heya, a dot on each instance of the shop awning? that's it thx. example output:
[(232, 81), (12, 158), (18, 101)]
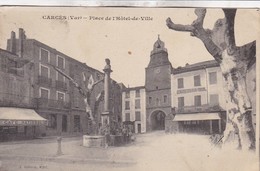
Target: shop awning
[(10, 116), (196, 117)]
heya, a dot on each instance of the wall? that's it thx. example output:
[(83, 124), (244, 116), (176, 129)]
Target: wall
[(53, 73), (217, 88), (15, 87), (158, 94), (204, 90), (73, 105), (159, 76), (188, 82), (132, 109), (16, 91), (158, 84)]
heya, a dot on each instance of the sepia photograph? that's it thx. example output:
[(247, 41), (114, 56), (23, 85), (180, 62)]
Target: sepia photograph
[(129, 89)]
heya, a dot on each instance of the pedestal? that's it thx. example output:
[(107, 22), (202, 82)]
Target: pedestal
[(105, 118), (93, 141)]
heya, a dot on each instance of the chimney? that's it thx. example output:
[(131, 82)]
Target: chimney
[(20, 42), (13, 43)]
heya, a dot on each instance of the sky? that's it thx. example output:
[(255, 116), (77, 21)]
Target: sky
[(126, 43)]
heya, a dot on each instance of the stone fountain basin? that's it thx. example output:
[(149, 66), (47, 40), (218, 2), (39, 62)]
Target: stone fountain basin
[(99, 141), (93, 141)]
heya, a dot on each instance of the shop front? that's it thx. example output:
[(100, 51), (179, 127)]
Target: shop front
[(199, 123), (19, 123)]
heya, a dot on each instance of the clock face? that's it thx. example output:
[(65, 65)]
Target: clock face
[(157, 70)]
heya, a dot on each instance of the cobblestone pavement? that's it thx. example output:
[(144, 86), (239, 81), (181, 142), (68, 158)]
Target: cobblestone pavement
[(152, 151)]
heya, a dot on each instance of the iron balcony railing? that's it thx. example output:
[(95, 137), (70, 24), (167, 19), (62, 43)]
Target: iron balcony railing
[(49, 103), (197, 109), (23, 101)]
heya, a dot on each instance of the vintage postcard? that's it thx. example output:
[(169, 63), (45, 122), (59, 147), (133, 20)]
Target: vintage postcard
[(116, 88)]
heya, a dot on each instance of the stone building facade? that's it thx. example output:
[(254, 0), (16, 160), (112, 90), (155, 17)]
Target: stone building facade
[(158, 87), (198, 98), (15, 88), (16, 103), (53, 96), (133, 108), (185, 99)]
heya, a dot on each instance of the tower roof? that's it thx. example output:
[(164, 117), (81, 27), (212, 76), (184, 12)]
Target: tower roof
[(158, 46)]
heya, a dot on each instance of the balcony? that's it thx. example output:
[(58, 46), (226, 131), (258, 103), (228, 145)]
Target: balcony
[(60, 85), (44, 81), (197, 109), (51, 104)]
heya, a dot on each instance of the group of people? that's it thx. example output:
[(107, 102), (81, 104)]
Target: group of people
[(170, 130), (127, 134), (120, 130)]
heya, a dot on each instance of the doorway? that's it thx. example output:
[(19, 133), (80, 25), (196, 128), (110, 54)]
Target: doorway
[(139, 128), (64, 123), (158, 120)]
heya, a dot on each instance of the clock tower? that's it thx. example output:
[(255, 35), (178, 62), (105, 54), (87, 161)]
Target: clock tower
[(158, 87)]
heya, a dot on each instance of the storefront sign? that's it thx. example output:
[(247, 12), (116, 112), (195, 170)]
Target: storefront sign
[(191, 90), (21, 123)]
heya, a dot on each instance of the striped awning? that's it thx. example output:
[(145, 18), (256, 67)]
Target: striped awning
[(196, 117), (10, 116)]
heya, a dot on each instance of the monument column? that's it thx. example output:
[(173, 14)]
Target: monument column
[(105, 115)]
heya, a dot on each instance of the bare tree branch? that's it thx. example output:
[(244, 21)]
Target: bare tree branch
[(211, 47), (95, 83), (197, 30), (201, 13), (229, 33), (178, 27)]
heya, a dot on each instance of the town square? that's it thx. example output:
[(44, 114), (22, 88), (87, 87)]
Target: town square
[(133, 89)]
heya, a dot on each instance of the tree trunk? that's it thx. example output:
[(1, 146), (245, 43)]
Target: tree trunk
[(239, 117), (233, 61)]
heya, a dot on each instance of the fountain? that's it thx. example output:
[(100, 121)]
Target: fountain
[(109, 133), (102, 139)]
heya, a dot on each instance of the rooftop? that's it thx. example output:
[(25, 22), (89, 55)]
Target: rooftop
[(158, 46), (10, 54), (196, 66), (134, 88)]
